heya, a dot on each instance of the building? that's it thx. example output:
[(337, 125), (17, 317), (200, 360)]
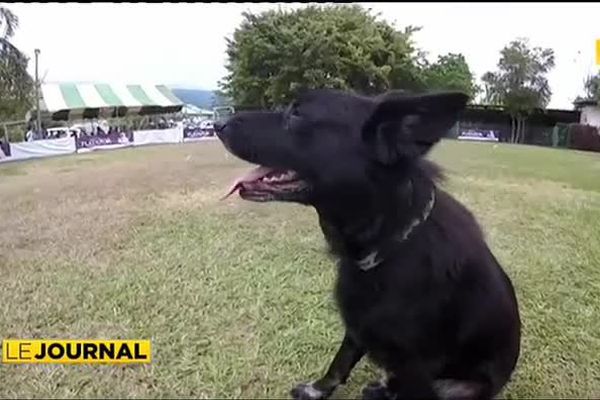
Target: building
[(538, 128), (590, 112)]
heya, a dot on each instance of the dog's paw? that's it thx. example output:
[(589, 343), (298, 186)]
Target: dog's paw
[(306, 391), (376, 391)]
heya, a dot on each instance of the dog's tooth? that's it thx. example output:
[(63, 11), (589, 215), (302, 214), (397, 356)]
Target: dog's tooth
[(281, 177)]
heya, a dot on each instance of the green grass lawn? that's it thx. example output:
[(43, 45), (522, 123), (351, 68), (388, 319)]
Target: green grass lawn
[(236, 296)]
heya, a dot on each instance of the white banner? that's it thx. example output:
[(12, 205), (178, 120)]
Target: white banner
[(199, 139), (105, 147), (173, 135), (42, 148)]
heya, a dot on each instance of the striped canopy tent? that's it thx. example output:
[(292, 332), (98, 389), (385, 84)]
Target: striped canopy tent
[(80, 101)]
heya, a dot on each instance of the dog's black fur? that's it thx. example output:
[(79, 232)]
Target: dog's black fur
[(435, 310)]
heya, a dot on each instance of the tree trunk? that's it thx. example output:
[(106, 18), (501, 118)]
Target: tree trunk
[(521, 133), (512, 129)]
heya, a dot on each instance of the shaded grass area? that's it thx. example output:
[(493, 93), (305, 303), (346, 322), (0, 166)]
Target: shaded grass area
[(236, 296)]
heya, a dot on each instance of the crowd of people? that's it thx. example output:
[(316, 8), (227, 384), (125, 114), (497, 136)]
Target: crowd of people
[(73, 131), (196, 127)]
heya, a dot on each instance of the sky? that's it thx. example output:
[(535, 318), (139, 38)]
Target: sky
[(184, 44)]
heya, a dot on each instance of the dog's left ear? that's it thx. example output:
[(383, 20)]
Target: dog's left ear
[(404, 126)]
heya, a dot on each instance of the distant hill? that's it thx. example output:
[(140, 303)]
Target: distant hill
[(206, 99)]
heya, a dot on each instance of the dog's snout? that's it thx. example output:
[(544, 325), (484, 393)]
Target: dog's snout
[(220, 126)]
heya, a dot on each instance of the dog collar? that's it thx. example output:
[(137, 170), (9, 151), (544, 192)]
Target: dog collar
[(373, 259), (370, 261)]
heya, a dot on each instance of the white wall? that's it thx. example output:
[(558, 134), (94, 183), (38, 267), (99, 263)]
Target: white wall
[(590, 115)]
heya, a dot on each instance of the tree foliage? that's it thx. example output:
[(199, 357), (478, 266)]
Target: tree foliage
[(591, 87), (15, 83), (274, 53), (520, 83), (450, 72)]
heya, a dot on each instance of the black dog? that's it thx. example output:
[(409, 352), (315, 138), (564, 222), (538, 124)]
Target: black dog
[(419, 291)]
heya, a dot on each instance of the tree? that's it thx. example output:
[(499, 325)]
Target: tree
[(274, 53), (520, 83), (8, 23), (451, 72), (15, 83), (591, 86)]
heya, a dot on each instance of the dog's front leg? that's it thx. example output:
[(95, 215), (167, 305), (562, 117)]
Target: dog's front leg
[(346, 358)]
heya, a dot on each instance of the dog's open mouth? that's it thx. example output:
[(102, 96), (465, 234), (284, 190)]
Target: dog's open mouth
[(267, 184)]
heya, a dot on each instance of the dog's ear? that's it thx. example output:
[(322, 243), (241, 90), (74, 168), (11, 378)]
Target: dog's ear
[(404, 126)]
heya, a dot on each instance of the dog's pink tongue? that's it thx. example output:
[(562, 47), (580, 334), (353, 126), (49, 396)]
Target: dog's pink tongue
[(251, 176)]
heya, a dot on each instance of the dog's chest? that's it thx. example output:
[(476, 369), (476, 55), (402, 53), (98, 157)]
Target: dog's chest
[(387, 300), (364, 296)]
